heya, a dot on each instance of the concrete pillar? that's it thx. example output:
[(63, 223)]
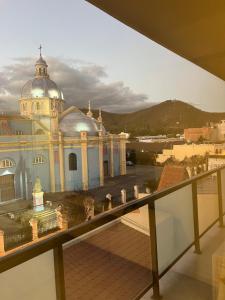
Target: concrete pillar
[(34, 225), (136, 191), (89, 205), (61, 222), (195, 171), (61, 162), (123, 196), (111, 146), (109, 198), (148, 190), (59, 219), (204, 167), (2, 243), (123, 167), (84, 158), (26, 185), (21, 185), (189, 171), (51, 164), (110, 205), (101, 159)]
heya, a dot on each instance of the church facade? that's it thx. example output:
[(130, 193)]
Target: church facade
[(67, 149)]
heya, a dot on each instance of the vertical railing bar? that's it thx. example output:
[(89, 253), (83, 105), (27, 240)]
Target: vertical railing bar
[(153, 247), (195, 217), (59, 273), (220, 199)]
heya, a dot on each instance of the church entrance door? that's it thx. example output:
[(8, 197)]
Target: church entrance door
[(7, 188)]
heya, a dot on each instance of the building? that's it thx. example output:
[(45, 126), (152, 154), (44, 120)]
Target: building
[(221, 130), (198, 134), (65, 148), (180, 152), (216, 161), (172, 175), (214, 133)]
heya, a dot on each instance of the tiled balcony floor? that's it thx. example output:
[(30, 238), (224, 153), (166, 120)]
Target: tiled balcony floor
[(113, 264)]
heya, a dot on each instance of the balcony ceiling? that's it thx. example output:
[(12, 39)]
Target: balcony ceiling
[(193, 29)]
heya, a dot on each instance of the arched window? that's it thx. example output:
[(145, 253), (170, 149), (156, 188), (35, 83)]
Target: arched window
[(38, 105), (72, 162), (39, 159), (6, 163)]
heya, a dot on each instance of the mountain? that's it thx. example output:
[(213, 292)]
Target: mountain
[(170, 116)]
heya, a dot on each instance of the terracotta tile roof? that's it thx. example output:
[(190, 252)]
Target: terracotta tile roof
[(172, 175)]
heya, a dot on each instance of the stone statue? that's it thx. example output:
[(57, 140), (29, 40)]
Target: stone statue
[(37, 186)]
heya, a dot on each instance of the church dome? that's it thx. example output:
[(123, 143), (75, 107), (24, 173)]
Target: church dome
[(76, 121), (40, 87)]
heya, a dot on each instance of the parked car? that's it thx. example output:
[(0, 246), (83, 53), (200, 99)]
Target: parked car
[(130, 163)]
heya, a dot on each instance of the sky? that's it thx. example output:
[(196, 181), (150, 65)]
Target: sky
[(94, 57)]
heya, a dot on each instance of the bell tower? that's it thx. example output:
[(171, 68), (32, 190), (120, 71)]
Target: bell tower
[(41, 66), (41, 98)]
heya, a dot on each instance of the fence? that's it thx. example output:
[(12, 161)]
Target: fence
[(176, 214)]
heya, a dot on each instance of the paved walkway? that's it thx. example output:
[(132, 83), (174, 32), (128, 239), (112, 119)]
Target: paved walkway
[(139, 174), (113, 264)]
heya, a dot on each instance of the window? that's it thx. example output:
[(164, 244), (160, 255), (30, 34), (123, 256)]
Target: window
[(72, 162), (6, 163), (39, 159), (38, 105)]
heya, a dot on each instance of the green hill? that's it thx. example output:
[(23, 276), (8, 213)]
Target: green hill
[(170, 116)]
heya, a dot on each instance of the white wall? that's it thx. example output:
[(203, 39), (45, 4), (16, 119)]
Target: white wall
[(32, 280)]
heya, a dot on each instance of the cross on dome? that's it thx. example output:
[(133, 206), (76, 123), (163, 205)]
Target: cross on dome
[(40, 48)]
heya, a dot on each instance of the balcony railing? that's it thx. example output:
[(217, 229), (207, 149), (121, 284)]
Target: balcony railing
[(176, 220)]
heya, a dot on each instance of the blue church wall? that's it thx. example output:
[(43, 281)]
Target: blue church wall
[(25, 171), (116, 154), (32, 171), (93, 167), (73, 179)]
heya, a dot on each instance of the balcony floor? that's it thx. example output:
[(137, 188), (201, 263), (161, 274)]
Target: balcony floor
[(192, 276), (112, 264), (176, 286), (115, 264)]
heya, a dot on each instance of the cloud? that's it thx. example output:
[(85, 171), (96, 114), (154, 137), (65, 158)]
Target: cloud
[(80, 82)]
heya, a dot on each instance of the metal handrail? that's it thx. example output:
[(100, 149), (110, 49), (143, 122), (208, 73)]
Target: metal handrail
[(55, 241)]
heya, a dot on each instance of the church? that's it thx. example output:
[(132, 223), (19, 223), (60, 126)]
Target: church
[(67, 149)]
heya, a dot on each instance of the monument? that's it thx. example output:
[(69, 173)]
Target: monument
[(38, 201)]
